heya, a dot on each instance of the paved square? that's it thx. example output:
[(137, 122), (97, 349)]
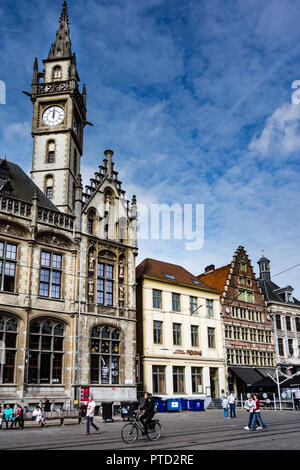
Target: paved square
[(206, 430)]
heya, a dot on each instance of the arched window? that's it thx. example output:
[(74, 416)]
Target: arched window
[(105, 355), (49, 186), (91, 222), (50, 157), (46, 341), (57, 72), (8, 348)]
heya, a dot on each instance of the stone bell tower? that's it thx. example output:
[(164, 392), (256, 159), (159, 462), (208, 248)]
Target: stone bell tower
[(59, 117)]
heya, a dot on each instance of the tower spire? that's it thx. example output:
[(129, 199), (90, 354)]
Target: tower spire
[(62, 45)]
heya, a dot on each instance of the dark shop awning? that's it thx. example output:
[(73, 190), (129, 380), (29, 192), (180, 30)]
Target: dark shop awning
[(247, 374), (266, 370)]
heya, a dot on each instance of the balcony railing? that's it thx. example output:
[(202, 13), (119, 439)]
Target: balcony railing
[(51, 217), (14, 206)]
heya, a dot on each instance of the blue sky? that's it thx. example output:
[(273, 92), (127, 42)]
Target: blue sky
[(194, 97)]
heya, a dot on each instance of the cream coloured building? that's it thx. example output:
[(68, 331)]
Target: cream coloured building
[(180, 334)]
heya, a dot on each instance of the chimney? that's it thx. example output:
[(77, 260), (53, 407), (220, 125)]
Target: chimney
[(209, 268)]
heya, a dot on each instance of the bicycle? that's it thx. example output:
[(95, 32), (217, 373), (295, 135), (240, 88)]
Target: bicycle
[(130, 431)]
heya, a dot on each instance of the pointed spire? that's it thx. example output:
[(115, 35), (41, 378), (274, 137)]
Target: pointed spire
[(62, 45)]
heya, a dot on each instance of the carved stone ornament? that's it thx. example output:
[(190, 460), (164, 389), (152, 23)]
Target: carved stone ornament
[(91, 262), (12, 229), (121, 269), (91, 288), (56, 240)]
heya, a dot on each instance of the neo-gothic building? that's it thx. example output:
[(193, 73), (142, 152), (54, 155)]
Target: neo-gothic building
[(67, 255)]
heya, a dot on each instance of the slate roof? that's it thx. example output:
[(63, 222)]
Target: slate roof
[(216, 278), (22, 186), (158, 269), (267, 286)]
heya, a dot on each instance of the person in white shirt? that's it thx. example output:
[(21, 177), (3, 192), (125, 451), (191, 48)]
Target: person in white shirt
[(37, 413), (225, 406), (231, 402), (90, 413)]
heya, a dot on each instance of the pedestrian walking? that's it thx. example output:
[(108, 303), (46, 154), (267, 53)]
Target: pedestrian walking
[(8, 416), (225, 406), (257, 416), (250, 406), (90, 413), (231, 402)]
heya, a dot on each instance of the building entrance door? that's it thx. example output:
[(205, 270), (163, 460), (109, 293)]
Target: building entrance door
[(214, 382)]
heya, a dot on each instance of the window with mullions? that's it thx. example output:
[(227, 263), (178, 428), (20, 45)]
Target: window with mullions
[(210, 307), (159, 379), (175, 302), (8, 348), (8, 255), (50, 275), (280, 347), (278, 322), (156, 294), (178, 379), (46, 341), (211, 337), (193, 305), (196, 379), (194, 336), (105, 284), (105, 355), (157, 332), (176, 334)]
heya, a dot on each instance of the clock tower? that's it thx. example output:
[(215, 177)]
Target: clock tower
[(59, 117)]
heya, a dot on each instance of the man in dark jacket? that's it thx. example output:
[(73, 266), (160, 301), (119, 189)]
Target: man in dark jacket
[(147, 409)]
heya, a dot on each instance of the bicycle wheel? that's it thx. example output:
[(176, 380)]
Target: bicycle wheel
[(155, 433), (129, 433)]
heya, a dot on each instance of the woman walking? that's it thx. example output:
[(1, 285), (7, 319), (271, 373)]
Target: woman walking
[(225, 406)]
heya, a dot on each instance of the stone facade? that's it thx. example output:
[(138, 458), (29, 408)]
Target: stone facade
[(67, 311)]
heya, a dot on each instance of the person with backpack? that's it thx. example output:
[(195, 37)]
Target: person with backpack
[(148, 410), (225, 406)]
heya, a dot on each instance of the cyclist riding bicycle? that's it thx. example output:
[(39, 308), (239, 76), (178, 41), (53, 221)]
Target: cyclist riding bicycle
[(147, 409)]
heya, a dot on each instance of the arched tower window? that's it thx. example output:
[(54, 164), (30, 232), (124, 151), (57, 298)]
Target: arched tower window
[(46, 347), (8, 348), (91, 222), (49, 186), (50, 156), (105, 355), (57, 72)]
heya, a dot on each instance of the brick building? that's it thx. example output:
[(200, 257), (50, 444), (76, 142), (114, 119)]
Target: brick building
[(247, 324)]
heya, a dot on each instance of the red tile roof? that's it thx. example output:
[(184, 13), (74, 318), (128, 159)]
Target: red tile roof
[(158, 269), (217, 278)]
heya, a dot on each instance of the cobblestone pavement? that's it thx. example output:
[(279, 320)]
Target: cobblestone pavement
[(206, 430)]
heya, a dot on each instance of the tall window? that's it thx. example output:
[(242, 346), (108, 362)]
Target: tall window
[(105, 284), (176, 334), (105, 355), (280, 347), (8, 340), (196, 379), (291, 347), (157, 332), (50, 275), (243, 267), (156, 295), (8, 255), (297, 323), (194, 336), (49, 187), (211, 337), (178, 379), (159, 379), (51, 151), (90, 225), (278, 322), (46, 341), (193, 305), (57, 72), (288, 323), (209, 307), (175, 302)]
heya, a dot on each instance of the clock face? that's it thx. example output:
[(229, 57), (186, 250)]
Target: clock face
[(53, 115)]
